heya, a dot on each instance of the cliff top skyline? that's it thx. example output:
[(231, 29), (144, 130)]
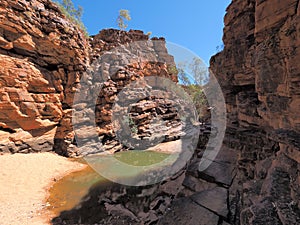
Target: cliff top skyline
[(196, 25)]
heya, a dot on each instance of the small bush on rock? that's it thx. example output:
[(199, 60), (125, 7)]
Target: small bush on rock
[(74, 15)]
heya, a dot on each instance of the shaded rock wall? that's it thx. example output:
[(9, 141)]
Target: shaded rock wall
[(259, 74), (115, 63)]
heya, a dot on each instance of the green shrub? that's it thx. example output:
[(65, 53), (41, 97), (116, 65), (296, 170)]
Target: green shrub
[(193, 83), (74, 15), (123, 15)]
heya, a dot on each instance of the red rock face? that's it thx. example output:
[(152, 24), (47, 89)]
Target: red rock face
[(117, 59), (255, 177), (42, 56), (259, 74)]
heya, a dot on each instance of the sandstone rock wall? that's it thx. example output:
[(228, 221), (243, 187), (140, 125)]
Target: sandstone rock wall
[(42, 56), (117, 59), (259, 74), (255, 177)]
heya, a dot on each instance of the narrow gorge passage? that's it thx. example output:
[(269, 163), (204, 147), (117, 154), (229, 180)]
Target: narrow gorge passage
[(94, 98)]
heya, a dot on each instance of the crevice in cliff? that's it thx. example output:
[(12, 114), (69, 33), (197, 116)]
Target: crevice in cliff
[(221, 218), (297, 6), (12, 52), (7, 129), (51, 67), (244, 88)]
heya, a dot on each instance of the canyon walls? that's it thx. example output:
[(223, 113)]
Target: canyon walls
[(254, 179), (260, 76), (116, 81)]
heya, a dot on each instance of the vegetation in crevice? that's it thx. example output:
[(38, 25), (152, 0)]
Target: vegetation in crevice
[(193, 76), (72, 13)]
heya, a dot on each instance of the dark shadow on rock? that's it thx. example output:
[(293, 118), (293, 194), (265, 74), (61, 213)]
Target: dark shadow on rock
[(111, 204)]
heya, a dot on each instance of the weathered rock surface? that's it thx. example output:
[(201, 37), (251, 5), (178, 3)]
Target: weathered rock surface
[(116, 86), (255, 177), (185, 211), (42, 56), (259, 74), (214, 199)]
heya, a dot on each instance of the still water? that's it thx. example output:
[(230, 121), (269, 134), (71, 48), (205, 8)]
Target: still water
[(67, 192)]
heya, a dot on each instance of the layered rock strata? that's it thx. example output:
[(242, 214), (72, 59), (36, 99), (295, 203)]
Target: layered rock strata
[(259, 74), (121, 64), (42, 57), (255, 177)]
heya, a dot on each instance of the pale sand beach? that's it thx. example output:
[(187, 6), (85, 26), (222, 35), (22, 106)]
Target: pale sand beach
[(24, 183)]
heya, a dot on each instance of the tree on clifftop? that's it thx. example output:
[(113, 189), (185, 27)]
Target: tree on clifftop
[(123, 15), (74, 15), (70, 8)]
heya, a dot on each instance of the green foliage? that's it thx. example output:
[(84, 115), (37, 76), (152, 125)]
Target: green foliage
[(131, 124), (182, 76), (123, 15), (172, 69), (198, 97), (196, 69), (193, 83), (74, 15)]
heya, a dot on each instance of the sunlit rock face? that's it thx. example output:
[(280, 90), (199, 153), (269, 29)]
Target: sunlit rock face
[(42, 56), (120, 65), (124, 72), (259, 74)]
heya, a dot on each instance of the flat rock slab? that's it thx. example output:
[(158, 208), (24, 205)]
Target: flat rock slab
[(225, 155), (196, 184), (222, 173), (186, 212), (214, 199)]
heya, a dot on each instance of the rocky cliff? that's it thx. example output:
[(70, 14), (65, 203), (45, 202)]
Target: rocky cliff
[(255, 177), (115, 90), (43, 57), (259, 74)]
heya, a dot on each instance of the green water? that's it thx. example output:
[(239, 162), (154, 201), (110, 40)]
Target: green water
[(140, 158), (66, 193)]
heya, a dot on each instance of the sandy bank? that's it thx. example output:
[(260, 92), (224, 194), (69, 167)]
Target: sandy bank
[(24, 180)]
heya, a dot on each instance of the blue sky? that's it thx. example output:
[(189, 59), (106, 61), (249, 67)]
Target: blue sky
[(194, 24)]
